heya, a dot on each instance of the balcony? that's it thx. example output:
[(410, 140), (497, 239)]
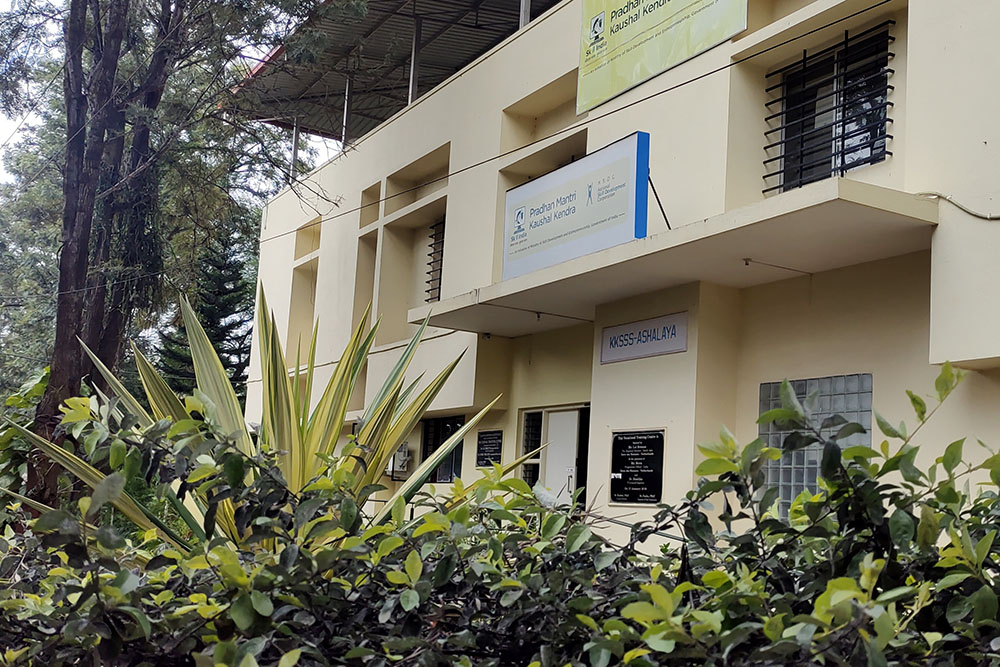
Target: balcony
[(823, 226)]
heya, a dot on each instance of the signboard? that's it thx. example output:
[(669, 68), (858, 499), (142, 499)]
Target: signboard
[(626, 42), (489, 448), (637, 467), (648, 338), (594, 203)]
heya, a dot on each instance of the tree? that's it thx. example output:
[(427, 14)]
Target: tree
[(147, 104), (223, 302)]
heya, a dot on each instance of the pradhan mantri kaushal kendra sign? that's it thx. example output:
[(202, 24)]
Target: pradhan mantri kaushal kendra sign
[(626, 42), (591, 204)]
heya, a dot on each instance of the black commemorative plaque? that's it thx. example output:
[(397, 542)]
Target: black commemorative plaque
[(637, 467), (489, 448)]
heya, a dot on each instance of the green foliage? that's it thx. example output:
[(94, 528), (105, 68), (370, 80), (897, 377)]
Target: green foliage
[(14, 450), (888, 563), (223, 302)]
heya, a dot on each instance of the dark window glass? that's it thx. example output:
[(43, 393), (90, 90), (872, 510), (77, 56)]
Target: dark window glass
[(833, 111), (436, 432), (531, 440)]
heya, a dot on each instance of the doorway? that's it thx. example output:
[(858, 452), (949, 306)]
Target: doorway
[(562, 467)]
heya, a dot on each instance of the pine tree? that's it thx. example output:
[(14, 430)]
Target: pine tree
[(224, 305)]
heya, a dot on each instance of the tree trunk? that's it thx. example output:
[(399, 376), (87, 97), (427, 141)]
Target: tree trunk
[(84, 149)]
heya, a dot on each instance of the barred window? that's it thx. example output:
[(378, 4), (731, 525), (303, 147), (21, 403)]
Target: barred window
[(436, 433), (847, 395), (833, 112)]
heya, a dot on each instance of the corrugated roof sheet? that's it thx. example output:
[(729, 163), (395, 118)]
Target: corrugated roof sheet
[(372, 50)]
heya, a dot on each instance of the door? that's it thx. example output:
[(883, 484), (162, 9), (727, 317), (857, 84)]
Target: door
[(560, 465)]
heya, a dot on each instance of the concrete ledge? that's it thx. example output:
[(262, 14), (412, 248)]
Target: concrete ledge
[(835, 223)]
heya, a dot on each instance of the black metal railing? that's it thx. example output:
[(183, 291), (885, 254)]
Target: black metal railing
[(833, 111), (435, 257)]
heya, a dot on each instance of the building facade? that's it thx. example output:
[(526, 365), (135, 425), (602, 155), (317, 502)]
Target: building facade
[(789, 233)]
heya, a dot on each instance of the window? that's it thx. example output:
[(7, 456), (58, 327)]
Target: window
[(531, 440), (833, 111), (435, 257), (436, 432), (847, 395)]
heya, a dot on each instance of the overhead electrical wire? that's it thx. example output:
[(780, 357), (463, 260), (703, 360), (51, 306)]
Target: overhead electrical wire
[(577, 126)]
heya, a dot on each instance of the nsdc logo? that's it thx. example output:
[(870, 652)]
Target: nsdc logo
[(597, 28), (519, 220)]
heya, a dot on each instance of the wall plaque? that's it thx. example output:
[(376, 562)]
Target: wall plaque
[(637, 467), (489, 448)]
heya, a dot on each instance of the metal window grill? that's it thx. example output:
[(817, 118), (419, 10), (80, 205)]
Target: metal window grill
[(847, 395), (436, 433), (435, 257), (833, 111), (532, 440)]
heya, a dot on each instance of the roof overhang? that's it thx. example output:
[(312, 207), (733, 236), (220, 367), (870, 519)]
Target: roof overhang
[(836, 223), (366, 57)]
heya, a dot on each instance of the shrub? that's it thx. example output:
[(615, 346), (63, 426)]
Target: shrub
[(885, 564)]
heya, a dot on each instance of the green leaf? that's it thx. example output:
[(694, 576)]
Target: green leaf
[(715, 467), (830, 463), (660, 644), (927, 527), (109, 538), (888, 429), (605, 559), (875, 656), (348, 514), (643, 612), (781, 416), (901, 527), (984, 605), (409, 599), (116, 456), (945, 382), (261, 603), (789, 400), (388, 545), (242, 613), (398, 578), (55, 520), (897, 593), (553, 524), (413, 565), (291, 658), (576, 537), (133, 463), (510, 597), (107, 491), (919, 406), (952, 579), (952, 455), (983, 547)]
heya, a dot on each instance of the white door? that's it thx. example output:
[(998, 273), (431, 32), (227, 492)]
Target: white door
[(559, 468)]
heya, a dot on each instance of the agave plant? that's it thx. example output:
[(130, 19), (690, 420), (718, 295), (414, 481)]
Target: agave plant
[(303, 436)]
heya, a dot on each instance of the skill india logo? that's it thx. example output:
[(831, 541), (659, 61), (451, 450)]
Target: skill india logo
[(519, 220), (597, 28)]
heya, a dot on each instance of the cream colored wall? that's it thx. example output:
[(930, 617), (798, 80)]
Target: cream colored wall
[(545, 370), (652, 393), (871, 318), (954, 148)]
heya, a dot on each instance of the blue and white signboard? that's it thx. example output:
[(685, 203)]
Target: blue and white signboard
[(648, 338), (597, 202)]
